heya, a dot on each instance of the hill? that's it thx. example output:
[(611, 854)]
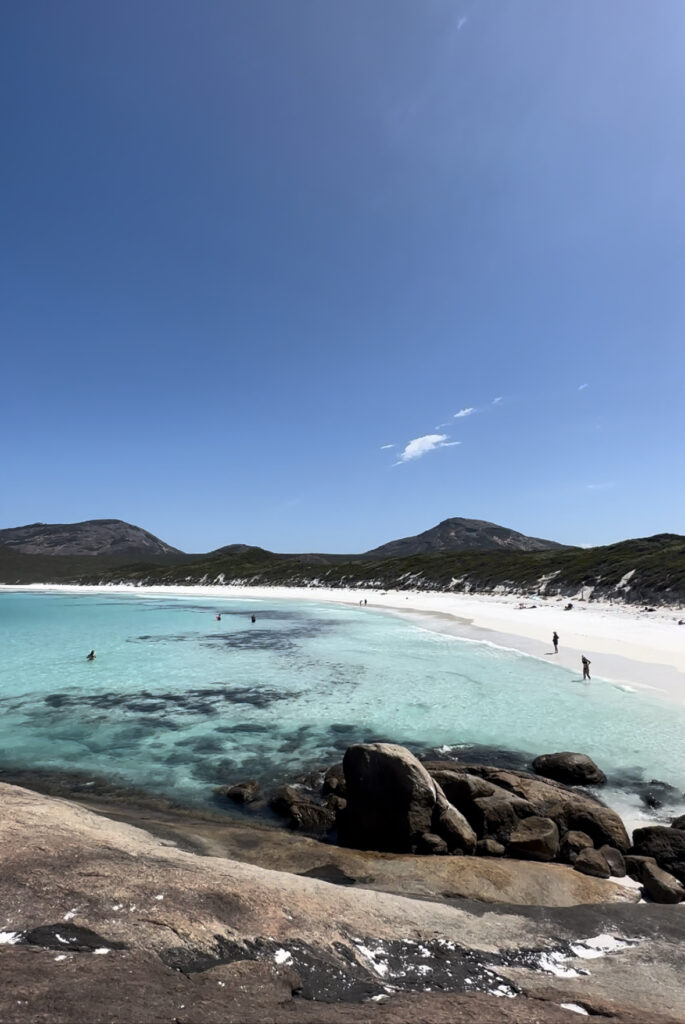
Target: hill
[(462, 535), (92, 537), (645, 571)]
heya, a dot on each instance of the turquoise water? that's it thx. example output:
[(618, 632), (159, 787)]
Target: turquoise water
[(178, 702)]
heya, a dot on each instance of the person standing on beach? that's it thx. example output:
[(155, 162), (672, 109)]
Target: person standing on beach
[(586, 667), (555, 641)]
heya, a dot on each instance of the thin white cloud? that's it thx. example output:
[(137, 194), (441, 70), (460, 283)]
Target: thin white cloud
[(464, 412), (496, 401), (421, 445), (384, 446), (461, 23), (599, 487), (583, 386)]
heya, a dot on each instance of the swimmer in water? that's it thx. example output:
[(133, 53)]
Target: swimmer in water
[(91, 656)]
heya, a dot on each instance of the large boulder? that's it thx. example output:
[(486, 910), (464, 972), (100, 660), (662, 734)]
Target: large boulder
[(635, 865), (498, 816), (572, 843), (534, 839), (661, 886), (615, 860), (569, 768), (592, 862), (390, 798), (666, 845)]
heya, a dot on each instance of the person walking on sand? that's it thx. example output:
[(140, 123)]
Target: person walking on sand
[(586, 667), (555, 641)]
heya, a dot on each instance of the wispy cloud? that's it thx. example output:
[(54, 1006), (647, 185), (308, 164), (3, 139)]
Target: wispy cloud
[(421, 445), (464, 412), (461, 23), (384, 446), (600, 487), (583, 386), (496, 401)]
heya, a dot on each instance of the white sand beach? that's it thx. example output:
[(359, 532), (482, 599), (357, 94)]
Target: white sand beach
[(625, 644)]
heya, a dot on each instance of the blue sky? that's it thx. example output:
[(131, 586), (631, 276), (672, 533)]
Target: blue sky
[(247, 246)]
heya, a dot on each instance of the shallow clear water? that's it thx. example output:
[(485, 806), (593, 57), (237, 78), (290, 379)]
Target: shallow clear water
[(178, 702)]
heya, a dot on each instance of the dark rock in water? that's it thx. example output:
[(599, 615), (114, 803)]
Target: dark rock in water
[(452, 826), (283, 799), (302, 811), (242, 792), (572, 843), (592, 862), (430, 843), (655, 794), (635, 865), (489, 848), (534, 839), (615, 860), (336, 803), (666, 845), (679, 822), (661, 886), (312, 818), (334, 781), (390, 798), (569, 768)]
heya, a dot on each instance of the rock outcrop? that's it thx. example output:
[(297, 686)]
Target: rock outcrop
[(103, 921), (666, 845), (569, 768)]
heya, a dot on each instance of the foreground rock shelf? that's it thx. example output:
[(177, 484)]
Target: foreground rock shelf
[(105, 922), (382, 798)]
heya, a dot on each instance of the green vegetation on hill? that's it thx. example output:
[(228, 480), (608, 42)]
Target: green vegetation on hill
[(656, 565)]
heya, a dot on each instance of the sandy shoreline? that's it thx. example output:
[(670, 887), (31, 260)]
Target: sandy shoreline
[(626, 645)]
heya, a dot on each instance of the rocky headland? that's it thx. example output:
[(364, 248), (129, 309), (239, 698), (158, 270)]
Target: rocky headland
[(202, 921)]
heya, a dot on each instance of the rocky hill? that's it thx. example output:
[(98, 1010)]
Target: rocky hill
[(462, 535), (93, 537)]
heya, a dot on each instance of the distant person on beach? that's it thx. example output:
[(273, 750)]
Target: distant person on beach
[(555, 641), (586, 667), (91, 656)]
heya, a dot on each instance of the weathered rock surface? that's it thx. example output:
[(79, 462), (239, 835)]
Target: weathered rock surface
[(661, 886), (534, 839), (615, 860), (569, 768), (592, 862), (571, 845), (570, 810), (203, 940), (451, 824), (666, 845), (242, 792), (635, 865)]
